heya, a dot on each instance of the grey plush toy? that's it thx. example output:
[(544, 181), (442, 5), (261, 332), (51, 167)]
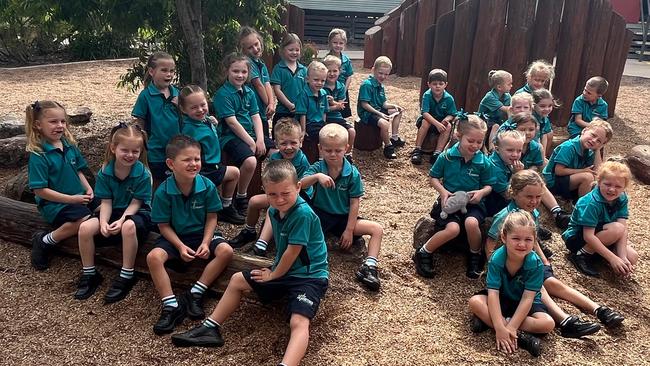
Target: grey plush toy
[(456, 202)]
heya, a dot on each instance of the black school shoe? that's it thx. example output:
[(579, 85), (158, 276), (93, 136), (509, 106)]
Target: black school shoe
[(244, 237), (40, 254), (530, 343), (562, 219), (389, 152), (545, 249), (609, 317), (434, 157), (194, 305), (398, 142), (474, 265), (576, 328), (585, 264), (476, 325), (423, 264), (119, 289), (241, 205), (169, 318), (87, 286), (259, 252), (544, 233), (368, 277), (199, 336), (416, 156), (231, 215)]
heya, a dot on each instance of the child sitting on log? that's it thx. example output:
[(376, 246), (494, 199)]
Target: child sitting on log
[(337, 97), (588, 106)]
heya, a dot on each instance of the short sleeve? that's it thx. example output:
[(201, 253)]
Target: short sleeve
[(254, 108), (313, 169), (301, 104), (535, 279), (438, 168), (224, 106), (501, 182), (426, 102), (490, 103), (143, 188), (563, 155), (495, 228), (493, 279), (161, 212), (141, 107), (299, 231), (356, 186), (37, 171), (451, 106), (536, 157), (213, 202), (255, 71), (576, 108), (365, 92), (81, 162), (589, 213), (506, 99), (340, 95), (602, 111), (276, 76), (487, 176), (102, 189), (623, 212)]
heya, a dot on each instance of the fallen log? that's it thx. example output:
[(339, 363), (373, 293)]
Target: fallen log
[(19, 220)]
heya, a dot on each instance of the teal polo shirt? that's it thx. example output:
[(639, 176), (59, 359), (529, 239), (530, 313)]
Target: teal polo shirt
[(346, 67), (206, 134), (161, 119), (525, 89), (570, 154), (438, 109), (491, 103), (290, 82), (458, 175), (58, 170), (242, 104), (137, 185), (338, 93), (299, 162), (497, 220), (336, 200), (300, 226), (588, 112), (371, 91), (186, 215), (259, 71), (544, 124), (533, 155), (593, 210), (312, 106), (501, 173), (529, 277)]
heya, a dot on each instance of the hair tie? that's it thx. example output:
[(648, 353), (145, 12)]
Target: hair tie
[(36, 105), (461, 114), (119, 126)]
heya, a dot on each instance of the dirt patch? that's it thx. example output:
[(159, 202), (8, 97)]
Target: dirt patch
[(412, 321)]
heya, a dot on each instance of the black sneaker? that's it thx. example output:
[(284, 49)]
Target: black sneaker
[(544, 233), (423, 264), (231, 215), (416, 156), (169, 318), (87, 286), (474, 267), (367, 275), (584, 263), (576, 328), (545, 249), (609, 317), (119, 289), (530, 343), (389, 152), (562, 219), (199, 336), (434, 157), (244, 237), (40, 255), (241, 205), (259, 252), (398, 142), (194, 305), (476, 325)]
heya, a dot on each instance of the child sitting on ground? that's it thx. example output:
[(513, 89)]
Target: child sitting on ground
[(299, 272), (337, 194), (438, 111), (506, 160), (336, 96), (544, 104), (311, 102), (538, 76), (512, 304), (589, 105), (185, 208), (599, 223), (496, 103), (374, 110)]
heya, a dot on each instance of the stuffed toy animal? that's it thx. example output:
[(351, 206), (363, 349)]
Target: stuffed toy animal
[(456, 202)]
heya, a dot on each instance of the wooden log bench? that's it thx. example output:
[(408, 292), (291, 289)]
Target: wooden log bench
[(255, 186), (310, 149), (368, 137)]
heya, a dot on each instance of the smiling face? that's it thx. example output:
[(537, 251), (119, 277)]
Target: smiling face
[(537, 80), (529, 129), (291, 52), (519, 241), (289, 144), (163, 74), (127, 151), (471, 142), (510, 149), (238, 73), (529, 198), (282, 195), (593, 138), (544, 107), (611, 187), (51, 124), (316, 80), (333, 72), (195, 106), (187, 163), (337, 44), (252, 46)]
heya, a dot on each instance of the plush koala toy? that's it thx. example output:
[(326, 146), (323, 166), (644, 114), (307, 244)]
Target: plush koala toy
[(456, 202)]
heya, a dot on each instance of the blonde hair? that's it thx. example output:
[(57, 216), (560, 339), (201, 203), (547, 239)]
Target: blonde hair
[(599, 122), (123, 132), (540, 67), (498, 77), (290, 38), (246, 31), (522, 97), (615, 169), (599, 83), (332, 60), (152, 63), (472, 122), (316, 66), (523, 178), (518, 136), (382, 61), (337, 32), (517, 219), (277, 171), (334, 132), (33, 113), (287, 126)]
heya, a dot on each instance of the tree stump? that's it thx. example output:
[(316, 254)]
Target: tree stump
[(638, 159), (424, 229), (81, 116), (12, 152), (11, 126), (310, 148), (17, 188), (368, 137)]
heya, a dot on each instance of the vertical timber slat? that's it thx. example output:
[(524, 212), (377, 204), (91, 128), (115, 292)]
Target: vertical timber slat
[(406, 44), (372, 48), (519, 31), (546, 31), (425, 18), (461, 52), (593, 55)]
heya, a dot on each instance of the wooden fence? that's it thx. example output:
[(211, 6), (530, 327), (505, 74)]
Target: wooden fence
[(469, 38)]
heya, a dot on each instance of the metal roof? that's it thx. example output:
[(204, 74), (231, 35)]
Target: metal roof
[(351, 6)]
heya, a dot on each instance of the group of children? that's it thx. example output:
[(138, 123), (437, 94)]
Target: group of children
[(179, 170)]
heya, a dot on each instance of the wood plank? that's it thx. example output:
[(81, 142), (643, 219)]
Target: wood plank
[(616, 50), (461, 52), (572, 35), (442, 46), (593, 57), (518, 37), (389, 39), (406, 43), (296, 21), (382, 20), (425, 18), (372, 46), (487, 49), (429, 39), (546, 31), (443, 7)]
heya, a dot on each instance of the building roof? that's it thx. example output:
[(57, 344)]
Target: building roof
[(350, 6)]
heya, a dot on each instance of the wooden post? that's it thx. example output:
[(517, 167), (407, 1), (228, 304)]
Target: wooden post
[(442, 47), (429, 38), (593, 53), (406, 44), (296, 21), (546, 30), (617, 47), (572, 36), (518, 36), (461, 53), (443, 7), (487, 49), (389, 39), (372, 47), (425, 18)]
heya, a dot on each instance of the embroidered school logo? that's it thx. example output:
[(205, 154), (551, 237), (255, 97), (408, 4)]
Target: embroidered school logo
[(130, 190), (471, 173), (196, 205), (282, 233), (303, 298)]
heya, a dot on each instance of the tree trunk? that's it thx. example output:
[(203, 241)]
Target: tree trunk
[(189, 15)]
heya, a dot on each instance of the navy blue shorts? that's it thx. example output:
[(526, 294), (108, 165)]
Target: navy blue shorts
[(494, 202), (75, 212), (303, 295), (509, 306), (562, 188), (432, 129), (215, 173), (548, 272), (159, 171), (339, 121), (577, 241), (347, 112), (141, 219), (472, 211), (373, 119), (191, 240), (333, 224), (313, 129), (237, 151)]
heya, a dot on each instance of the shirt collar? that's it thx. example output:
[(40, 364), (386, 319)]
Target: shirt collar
[(47, 147), (299, 201), (233, 90), (136, 170), (345, 170), (500, 260), (173, 92), (199, 185), (575, 142), (374, 82), (512, 206), (455, 153)]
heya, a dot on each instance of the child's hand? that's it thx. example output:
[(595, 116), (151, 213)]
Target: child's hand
[(80, 199), (187, 254), (203, 251), (90, 193), (506, 339), (383, 116), (261, 275), (260, 148), (326, 181), (103, 229), (292, 107), (213, 120), (517, 166), (115, 227), (270, 111), (620, 266), (175, 101), (330, 99), (475, 197), (346, 239), (440, 127), (444, 196), (252, 145), (590, 169)]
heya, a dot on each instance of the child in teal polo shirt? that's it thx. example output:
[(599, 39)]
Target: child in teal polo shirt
[(155, 111), (438, 111), (544, 104), (337, 192), (336, 96), (185, 208), (512, 304), (506, 160), (193, 102), (589, 105), (336, 40), (64, 197), (311, 103), (599, 224), (299, 272), (288, 77), (124, 186), (571, 170), (373, 109), (538, 76), (496, 103)]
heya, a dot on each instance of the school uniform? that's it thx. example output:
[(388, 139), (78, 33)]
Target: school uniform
[(438, 109), (588, 111), (206, 134), (301, 164), (313, 107), (490, 106), (258, 70), (525, 89), (346, 72), (291, 84), (371, 91), (160, 117), (338, 93), (186, 214), (495, 229), (306, 281), (593, 210), (544, 124), (495, 201), (572, 155), (533, 155), (58, 169)]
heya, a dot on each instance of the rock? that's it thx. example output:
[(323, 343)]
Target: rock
[(424, 229), (11, 126), (80, 116), (12, 152), (638, 159), (17, 188)]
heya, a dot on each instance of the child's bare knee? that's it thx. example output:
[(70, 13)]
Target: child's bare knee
[(298, 321), (453, 228), (471, 223), (476, 302), (156, 258), (249, 164), (128, 228), (86, 229), (223, 251)]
